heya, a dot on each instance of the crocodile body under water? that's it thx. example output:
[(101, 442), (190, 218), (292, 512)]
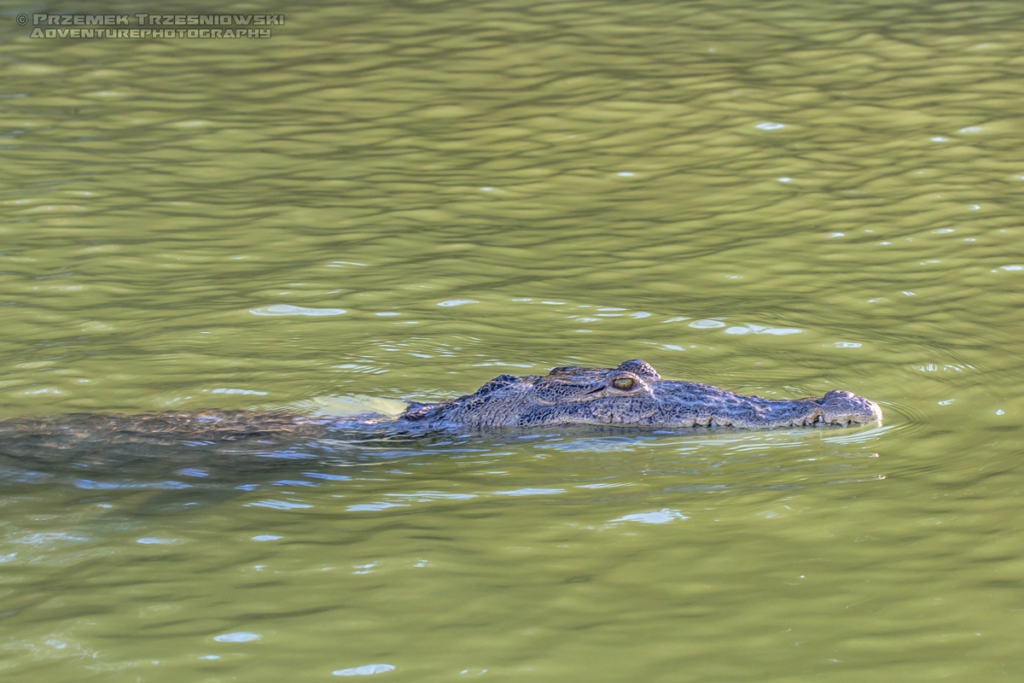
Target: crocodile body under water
[(631, 395)]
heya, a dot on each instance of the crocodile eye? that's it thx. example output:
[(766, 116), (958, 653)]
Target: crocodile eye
[(623, 383)]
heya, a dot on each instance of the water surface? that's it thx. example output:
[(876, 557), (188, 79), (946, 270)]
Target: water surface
[(403, 200)]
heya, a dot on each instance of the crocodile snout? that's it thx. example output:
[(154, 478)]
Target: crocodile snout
[(843, 407)]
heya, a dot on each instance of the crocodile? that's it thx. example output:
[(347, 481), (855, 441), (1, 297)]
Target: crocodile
[(631, 395)]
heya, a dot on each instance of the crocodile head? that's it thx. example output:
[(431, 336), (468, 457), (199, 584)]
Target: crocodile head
[(632, 394)]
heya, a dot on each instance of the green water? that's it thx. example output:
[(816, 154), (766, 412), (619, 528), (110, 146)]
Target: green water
[(402, 200)]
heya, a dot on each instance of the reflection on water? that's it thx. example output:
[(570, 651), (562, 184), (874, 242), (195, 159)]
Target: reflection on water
[(402, 201)]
